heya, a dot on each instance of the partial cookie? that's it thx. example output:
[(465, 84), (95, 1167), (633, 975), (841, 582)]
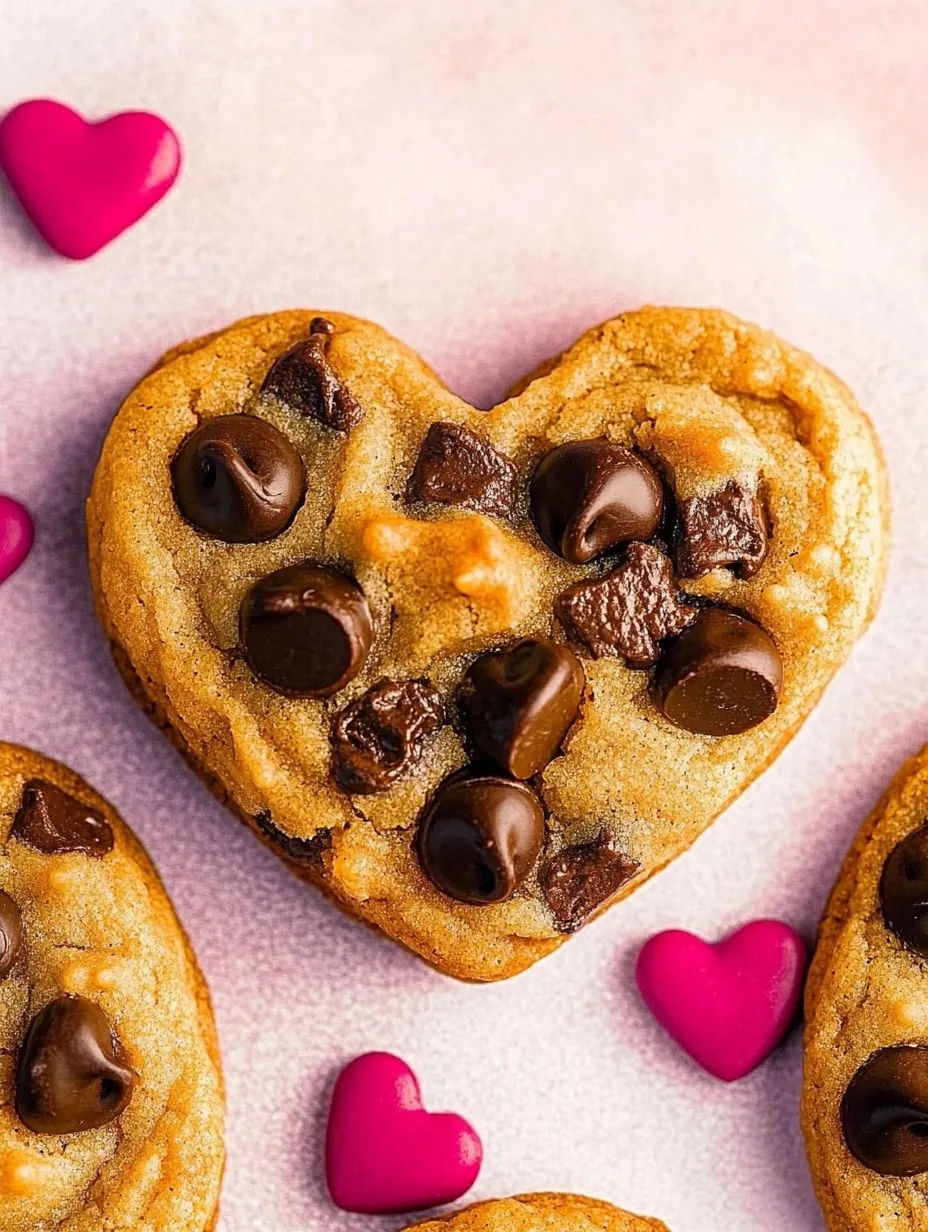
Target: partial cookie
[(111, 1102), (478, 675), (865, 1088), (546, 1212)]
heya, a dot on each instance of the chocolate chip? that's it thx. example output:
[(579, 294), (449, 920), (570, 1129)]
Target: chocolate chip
[(519, 703), (55, 823), (11, 934), (308, 851), (725, 528), (590, 496), (884, 1112), (581, 878), (904, 891), (238, 479), (71, 1075), (480, 835), (379, 737), (457, 467), (303, 379), (721, 676), (627, 612), (305, 630)]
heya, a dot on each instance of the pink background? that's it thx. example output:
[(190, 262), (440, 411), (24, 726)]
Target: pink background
[(485, 179)]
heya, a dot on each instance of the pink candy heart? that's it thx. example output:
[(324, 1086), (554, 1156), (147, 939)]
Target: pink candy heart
[(16, 536), (727, 1005), (83, 184), (384, 1153)]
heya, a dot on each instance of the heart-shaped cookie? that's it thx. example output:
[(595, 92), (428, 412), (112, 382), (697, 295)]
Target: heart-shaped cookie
[(865, 1080), (363, 608), (541, 1212)]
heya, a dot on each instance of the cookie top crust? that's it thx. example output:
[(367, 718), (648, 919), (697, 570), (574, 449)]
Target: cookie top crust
[(865, 1082), (444, 533), (544, 1212), (111, 1104)]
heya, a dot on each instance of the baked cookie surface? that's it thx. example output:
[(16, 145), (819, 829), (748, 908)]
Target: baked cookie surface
[(111, 1103), (544, 1212), (865, 1084), (610, 600)]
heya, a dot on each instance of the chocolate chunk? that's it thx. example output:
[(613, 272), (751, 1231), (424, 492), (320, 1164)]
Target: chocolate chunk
[(457, 467), (71, 1075), (579, 879), (480, 835), (308, 851), (378, 738), (721, 676), (306, 630), (590, 496), (55, 823), (904, 891), (303, 379), (11, 934), (725, 528), (238, 479), (884, 1113), (519, 703), (627, 612)]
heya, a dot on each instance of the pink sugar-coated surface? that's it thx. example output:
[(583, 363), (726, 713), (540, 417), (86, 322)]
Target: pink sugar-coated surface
[(485, 179)]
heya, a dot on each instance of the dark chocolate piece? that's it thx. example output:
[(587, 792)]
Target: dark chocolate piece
[(379, 737), (904, 891), (11, 934), (884, 1113), (457, 467), (303, 379), (581, 878), (55, 823), (728, 527)]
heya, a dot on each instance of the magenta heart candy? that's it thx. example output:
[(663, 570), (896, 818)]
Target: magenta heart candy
[(727, 1005), (384, 1153), (83, 184), (16, 536)]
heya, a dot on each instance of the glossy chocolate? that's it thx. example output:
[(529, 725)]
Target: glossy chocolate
[(457, 467), (884, 1113), (303, 379), (11, 933), (721, 676), (70, 1074), (238, 479), (379, 738), (480, 835), (305, 630), (904, 891), (55, 823), (518, 704), (588, 497), (581, 878)]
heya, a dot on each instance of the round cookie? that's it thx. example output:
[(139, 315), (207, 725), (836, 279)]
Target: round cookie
[(544, 1212), (865, 1082), (682, 518), (111, 1099)]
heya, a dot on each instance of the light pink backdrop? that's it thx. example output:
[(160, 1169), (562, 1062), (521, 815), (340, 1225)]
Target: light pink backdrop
[(485, 179)]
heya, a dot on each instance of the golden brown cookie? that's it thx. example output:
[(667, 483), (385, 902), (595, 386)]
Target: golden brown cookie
[(865, 1088), (111, 1102), (544, 1212), (611, 600)]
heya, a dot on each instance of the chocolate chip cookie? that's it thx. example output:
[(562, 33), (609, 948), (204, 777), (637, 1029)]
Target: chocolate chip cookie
[(865, 1089), (545, 1212), (479, 674), (111, 1106)]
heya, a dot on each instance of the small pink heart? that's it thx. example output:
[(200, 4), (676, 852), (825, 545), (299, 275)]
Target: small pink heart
[(16, 535), (83, 184), (727, 1005), (384, 1153)]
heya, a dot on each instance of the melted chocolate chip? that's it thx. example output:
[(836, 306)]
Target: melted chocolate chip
[(308, 851), (379, 738), (457, 467), (581, 878), (627, 612), (303, 379), (904, 891), (590, 496), (721, 676), (725, 528), (884, 1113), (70, 1074), (519, 703), (55, 823), (238, 479), (305, 630), (480, 835), (11, 934)]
